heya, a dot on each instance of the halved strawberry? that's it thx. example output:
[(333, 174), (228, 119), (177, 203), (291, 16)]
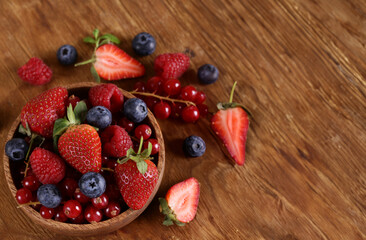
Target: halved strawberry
[(231, 124), (181, 202), (112, 63)]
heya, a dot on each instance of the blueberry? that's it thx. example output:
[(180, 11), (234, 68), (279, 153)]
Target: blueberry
[(208, 74), (194, 146), (135, 110), (99, 117), (67, 54), (16, 149), (49, 196), (143, 44), (92, 184)]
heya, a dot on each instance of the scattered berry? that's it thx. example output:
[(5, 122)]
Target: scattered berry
[(171, 65), (67, 187), (112, 210), (151, 102), (31, 182), (79, 219), (23, 195), (49, 196), (194, 146), (200, 97), (67, 55), (35, 72), (47, 213), (139, 86), (189, 93), (135, 110), (190, 114), (208, 74), (99, 117), (155, 145), (115, 141), (107, 95), (100, 202), (143, 44), (92, 184), (203, 109), (92, 214), (60, 215), (172, 87), (72, 209), (155, 85), (126, 124), (177, 109), (143, 131), (80, 197), (16, 149), (162, 110)]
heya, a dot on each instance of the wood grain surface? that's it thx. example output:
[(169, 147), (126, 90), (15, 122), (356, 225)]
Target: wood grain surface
[(300, 67)]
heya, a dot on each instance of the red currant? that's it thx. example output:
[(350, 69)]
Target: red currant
[(200, 97), (190, 114), (151, 102), (72, 208), (92, 214), (154, 84), (79, 219), (46, 212), (172, 87), (188, 93), (176, 109), (155, 145), (80, 197), (126, 124), (100, 202), (23, 195), (73, 100), (112, 210), (31, 183), (60, 215), (67, 187), (144, 131), (139, 86), (112, 192), (203, 109), (162, 110)]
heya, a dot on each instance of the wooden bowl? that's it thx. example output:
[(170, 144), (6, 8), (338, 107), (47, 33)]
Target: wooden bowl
[(102, 227)]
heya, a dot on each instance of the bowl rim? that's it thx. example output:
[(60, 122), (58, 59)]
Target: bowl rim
[(105, 226)]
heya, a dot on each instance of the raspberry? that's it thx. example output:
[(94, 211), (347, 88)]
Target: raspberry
[(115, 141), (107, 95), (35, 72), (171, 65)]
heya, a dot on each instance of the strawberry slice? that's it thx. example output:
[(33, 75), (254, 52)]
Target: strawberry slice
[(112, 63), (231, 124), (181, 202)]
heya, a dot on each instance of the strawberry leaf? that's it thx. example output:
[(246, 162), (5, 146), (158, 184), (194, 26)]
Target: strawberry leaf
[(89, 40), (111, 38), (147, 152), (142, 167), (94, 73), (80, 111), (71, 115), (167, 221), (96, 33), (60, 126), (178, 223)]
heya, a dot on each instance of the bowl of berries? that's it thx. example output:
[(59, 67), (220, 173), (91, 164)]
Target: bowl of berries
[(84, 160)]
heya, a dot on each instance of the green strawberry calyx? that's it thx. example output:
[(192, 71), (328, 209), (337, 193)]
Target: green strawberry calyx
[(138, 157), (97, 41), (231, 104), (73, 117), (170, 217)]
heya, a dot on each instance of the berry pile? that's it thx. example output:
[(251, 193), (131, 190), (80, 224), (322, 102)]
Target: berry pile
[(78, 158), (164, 93)]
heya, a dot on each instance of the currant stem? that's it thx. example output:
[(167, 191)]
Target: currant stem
[(28, 204), (162, 98), (232, 93), (33, 136)]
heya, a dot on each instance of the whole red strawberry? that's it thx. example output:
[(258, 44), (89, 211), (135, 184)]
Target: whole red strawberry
[(115, 141), (107, 95), (42, 111), (48, 167), (136, 177), (35, 72), (80, 146), (171, 65)]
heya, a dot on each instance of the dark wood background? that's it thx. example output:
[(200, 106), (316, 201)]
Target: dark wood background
[(300, 67)]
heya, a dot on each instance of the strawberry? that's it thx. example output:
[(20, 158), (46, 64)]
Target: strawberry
[(48, 167), (35, 72), (109, 61), (181, 202), (115, 141), (136, 177), (41, 112), (79, 145), (171, 65), (231, 124), (107, 95)]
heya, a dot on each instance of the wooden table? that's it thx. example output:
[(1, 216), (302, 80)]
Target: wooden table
[(300, 67)]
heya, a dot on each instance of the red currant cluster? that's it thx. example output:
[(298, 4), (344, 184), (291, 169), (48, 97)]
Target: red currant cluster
[(167, 98)]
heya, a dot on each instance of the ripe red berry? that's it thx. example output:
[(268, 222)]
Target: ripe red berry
[(80, 197), (31, 182), (92, 214), (60, 215), (190, 114), (35, 72), (47, 213), (155, 84), (151, 102), (73, 100), (144, 131), (112, 210), (176, 109), (23, 195), (107, 95), (79, 219), (100, 202), (155, 145), (72, 208), (171, 65), (126, 124), (162, 110), (203, 109), (67, 187), (188, 93), (172, 87), (139, 86), (200, 97)]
